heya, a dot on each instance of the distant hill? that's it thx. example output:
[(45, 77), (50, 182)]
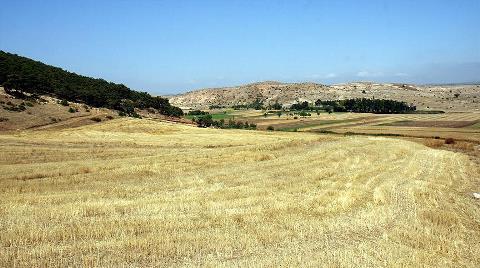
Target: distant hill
[(21, 75), (444, 97)]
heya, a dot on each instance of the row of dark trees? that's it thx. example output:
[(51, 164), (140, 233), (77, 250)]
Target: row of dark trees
[(198, 112), (359, 105), (256, 105), (363, 105), (20, 74), (207, 121)]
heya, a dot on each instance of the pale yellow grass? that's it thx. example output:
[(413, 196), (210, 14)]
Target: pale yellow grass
[(141, 193)]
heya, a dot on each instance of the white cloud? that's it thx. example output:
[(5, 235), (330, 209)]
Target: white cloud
[(400, 74), (331, 75)]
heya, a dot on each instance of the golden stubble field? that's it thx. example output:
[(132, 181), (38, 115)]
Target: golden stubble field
[(131, 192), (462, 126)]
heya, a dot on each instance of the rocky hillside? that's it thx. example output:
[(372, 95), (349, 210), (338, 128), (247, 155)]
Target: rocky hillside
[(444, 97)]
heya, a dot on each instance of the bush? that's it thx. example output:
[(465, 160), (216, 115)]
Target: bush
[(449, 141), (3, 119), (64, 102), (71, 110), (270, 128), (14, 108), (299, 106), (276, 106), (96, 119), (109, 117), (197, 112), (216, 107), (433, 143), (204, 121)]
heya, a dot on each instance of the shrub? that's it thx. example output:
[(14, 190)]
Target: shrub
[(3, 119), (135, 115), (197, 112), (433, 143), (64, 102), (71, 110), (29, 104), (295, 117), (14, 108), (324, 131), (204, 121), (96, 119), (270, 128), (276, 106), (299, 106), (109, 117), (449, 141)]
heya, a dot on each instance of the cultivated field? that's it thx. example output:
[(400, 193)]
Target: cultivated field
[(136, 192), (459, 125)]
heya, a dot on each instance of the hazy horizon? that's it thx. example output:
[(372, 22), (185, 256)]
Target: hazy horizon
[(171, 47)]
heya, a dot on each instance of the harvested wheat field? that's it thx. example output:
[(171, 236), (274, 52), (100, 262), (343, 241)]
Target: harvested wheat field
[(136, 192)]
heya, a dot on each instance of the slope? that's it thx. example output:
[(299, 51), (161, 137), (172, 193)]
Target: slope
[(134, 192)]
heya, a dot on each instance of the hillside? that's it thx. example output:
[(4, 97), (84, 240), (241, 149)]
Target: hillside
[(424, 97), (28, 79), (138, 193)]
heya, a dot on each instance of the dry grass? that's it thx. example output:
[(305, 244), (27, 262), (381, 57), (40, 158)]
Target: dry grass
[(140, 193), (434, 143)]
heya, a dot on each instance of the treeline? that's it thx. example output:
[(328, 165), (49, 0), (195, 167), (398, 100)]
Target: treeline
[(361, 105), (364, 105), (20, 75), (256, 105), (198, 112), (207, 121)]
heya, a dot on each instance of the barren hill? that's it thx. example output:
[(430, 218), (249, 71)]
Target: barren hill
[(444, 97)]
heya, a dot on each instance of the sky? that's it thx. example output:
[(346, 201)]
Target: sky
[(169, 47)]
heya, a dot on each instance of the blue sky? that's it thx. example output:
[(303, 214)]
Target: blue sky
[(173, 46)]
